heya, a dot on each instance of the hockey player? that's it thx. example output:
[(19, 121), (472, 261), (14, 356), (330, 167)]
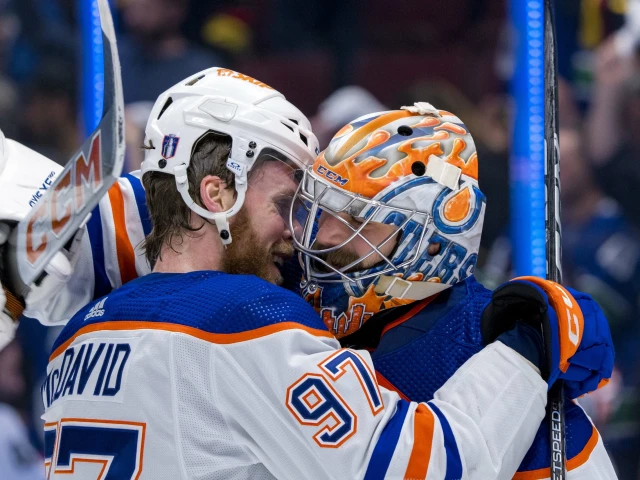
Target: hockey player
[(197, 371), (389, 245)]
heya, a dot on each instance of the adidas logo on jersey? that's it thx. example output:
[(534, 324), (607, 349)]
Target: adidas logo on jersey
[(97, 310)]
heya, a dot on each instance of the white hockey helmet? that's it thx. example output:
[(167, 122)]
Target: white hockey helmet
[(253, 114)]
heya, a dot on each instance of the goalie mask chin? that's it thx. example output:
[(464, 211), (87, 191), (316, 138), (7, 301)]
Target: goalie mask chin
[(414, 170)]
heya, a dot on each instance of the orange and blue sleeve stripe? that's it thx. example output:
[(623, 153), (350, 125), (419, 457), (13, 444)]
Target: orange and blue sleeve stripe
[(124, 246), (420, 458), (383, 451), (125, 254), (454, 463), (141, 202), (102, 284), (423, 437)]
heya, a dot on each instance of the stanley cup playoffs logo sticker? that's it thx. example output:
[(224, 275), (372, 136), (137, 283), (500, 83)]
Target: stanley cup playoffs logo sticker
[(169, 146)]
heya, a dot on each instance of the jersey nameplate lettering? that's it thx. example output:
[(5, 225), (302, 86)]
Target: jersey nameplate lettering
[(94, 370)]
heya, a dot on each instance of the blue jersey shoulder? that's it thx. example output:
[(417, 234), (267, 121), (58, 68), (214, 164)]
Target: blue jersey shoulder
[(455, 313), (438, 339), (214, 302)]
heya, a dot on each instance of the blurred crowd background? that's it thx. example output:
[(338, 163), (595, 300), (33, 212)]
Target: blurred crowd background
[(337, 60)]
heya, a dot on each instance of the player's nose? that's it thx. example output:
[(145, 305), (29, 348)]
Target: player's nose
[(331, 230), (297, 230)]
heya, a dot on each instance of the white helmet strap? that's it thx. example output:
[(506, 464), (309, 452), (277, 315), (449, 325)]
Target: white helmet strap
[(221, 219)]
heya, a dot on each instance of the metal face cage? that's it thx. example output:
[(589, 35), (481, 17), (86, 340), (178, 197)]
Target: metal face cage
[(315, 195)]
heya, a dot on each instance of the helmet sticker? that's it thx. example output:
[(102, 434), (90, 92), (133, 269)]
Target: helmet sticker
[(169, 146), (225, 72)]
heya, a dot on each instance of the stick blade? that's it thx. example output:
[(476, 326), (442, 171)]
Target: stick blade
[(85, 179)]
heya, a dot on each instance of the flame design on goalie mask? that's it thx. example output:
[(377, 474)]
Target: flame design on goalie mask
[(358, 174), (469, 167)]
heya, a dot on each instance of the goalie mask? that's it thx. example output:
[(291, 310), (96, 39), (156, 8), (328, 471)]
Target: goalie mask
[(259, 120), (412, 173)]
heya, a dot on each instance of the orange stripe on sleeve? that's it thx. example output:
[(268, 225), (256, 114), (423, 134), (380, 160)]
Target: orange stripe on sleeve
[(422, 439), (573, 463), (124, 249), (219, 338)]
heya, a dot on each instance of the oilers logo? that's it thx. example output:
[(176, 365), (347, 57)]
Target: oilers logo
[(169, 146), (457, 212)]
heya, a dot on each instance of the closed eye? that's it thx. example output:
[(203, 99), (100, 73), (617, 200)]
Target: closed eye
[(283, 205)]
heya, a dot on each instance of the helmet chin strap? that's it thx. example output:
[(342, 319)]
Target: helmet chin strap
[(221, 219), (404, 289)]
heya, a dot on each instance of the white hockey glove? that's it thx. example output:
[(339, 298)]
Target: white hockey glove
[(24, 176)]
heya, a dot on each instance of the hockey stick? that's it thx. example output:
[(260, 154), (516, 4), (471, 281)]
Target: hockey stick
[(555, 402), (78, 188)]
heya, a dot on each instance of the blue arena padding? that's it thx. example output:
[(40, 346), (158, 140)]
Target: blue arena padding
[(527, 161), (92, 90)]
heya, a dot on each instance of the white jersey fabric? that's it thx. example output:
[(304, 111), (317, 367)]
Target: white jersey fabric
[(213, 376), (110, 254)]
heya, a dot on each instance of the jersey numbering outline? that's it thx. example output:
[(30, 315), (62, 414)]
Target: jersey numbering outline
[(115, 448), (313, 401)]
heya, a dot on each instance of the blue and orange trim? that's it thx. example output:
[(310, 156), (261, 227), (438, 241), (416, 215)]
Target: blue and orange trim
[(218, 338), (572, 463)]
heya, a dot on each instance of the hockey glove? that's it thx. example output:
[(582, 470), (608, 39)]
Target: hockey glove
[(576, 340)]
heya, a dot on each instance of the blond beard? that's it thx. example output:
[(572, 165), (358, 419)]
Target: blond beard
[(245, 257), (340, 258)]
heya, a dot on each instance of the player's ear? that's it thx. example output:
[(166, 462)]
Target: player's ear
[(215, 195)]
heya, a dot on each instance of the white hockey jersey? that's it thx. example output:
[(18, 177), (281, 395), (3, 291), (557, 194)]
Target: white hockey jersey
[(207, 375)]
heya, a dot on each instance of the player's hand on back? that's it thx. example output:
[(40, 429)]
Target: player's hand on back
[(57, 273), (570, 331)]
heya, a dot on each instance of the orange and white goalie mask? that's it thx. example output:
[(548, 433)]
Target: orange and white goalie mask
[(392, 214)]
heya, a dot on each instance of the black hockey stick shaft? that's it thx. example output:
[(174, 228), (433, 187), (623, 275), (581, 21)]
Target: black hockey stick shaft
[(555, 403)]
